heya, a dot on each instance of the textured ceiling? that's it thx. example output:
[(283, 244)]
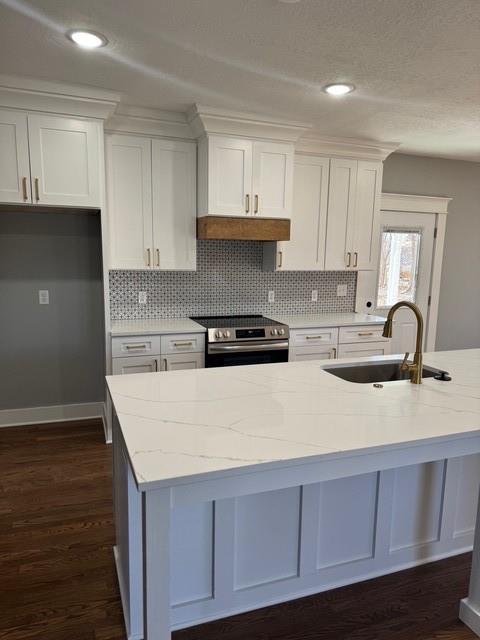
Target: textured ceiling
[(416, 63)]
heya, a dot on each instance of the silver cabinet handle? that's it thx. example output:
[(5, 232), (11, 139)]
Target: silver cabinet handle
[(156, 364), (255, 211), (157, 253), (131, 347), (355, 260), (334, 352), (165, 362), (280, 259), (247, 203), (365, 333), (183, 344), (24, 189), (37, 190), (148, 258), (313, 337), (349, 259)]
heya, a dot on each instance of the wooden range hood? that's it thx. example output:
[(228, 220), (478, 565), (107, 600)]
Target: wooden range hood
[(229, 228)]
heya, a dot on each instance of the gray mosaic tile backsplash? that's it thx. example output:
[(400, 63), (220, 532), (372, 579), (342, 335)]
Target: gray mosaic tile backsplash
[(229, 279)]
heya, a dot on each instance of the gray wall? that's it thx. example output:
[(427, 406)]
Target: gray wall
[(459, 311), (50, 354)]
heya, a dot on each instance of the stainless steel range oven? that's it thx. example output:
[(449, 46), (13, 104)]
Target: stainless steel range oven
[(241, 340)]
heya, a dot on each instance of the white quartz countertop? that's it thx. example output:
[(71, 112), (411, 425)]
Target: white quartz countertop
[(184, 426), (152, 327), (313, 320)]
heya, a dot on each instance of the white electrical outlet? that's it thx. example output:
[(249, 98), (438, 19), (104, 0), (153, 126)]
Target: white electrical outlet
[(142, 297), (271, 296), (341, 290), (314, 295), (43, 296)]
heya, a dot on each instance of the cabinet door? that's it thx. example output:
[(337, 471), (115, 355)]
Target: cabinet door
[(14, 163), (367, 215), (135, 364), (65, 161), (299, 354), (340, 217), (129, 198), (174, 204), (305, 251), (363, 350), (177, 361), (229, 176), (272, 182)]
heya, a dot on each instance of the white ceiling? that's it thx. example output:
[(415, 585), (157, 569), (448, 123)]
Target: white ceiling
[(416, 63)]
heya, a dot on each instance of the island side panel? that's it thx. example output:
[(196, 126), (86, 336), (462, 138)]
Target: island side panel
[(470, 606), (128, 537)]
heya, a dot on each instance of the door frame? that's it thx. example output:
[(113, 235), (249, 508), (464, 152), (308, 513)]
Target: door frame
[(367, 280)]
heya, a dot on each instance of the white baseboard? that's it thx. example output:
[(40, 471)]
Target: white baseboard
[(54, 413), (470, 615)]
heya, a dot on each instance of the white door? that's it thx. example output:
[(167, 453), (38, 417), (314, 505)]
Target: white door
[(367, 214), (305, 251), (272, 179), (404, 272), (129, 198), (179, 361), (14, 162), (65, 161), (341, 209), (135, 364), (174, 204), (230, 177)]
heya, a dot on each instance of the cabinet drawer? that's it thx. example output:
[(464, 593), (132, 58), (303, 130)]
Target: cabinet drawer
[(363, 350), (365, 333), (316, 352), (137, 364), (182, 343), (310, 337), (135, 346)]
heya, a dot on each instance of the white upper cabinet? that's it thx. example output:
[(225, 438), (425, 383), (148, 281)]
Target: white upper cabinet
[(366, 235), (151, 203), (305, 251), (50, 160), (14, 162), (174, 204), (272, 179), (240, 177), (341, 210), (64, 160), (129, 200)]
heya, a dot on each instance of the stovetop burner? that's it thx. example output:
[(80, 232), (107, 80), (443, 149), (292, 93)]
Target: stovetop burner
[(235, 321)]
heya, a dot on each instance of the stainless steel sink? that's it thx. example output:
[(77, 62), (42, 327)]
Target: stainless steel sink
[(376, 371)]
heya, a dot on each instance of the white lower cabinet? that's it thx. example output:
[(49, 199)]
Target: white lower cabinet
[(135, 364), (177, 361), (147, 354), (315, 352), (363, 350)]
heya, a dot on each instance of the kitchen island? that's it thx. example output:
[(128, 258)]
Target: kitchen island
[(243, 486)]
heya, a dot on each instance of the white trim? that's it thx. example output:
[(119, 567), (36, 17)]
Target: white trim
[(149, 122), (435, 282), (407, 203), (53, 413), (38, 95), (470, 615), (345, 147), (209, 120)]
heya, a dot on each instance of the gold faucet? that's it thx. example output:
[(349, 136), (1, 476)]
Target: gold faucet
[(415, 368)]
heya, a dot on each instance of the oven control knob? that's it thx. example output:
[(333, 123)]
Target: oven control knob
[(281, 332), (274, 332), (218, 334), (226, 334)]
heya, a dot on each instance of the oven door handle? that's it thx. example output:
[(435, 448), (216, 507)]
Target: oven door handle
[(250, 346)]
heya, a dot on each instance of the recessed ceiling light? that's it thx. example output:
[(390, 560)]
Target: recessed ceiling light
[(339, 89), (87, 39)]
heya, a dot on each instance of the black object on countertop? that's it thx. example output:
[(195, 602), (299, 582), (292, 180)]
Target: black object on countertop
[(443, 376)]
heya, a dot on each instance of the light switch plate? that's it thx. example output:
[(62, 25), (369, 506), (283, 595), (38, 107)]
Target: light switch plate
[(341, 290), (43, 296), (142, 297), (314, 295), (271, 296)]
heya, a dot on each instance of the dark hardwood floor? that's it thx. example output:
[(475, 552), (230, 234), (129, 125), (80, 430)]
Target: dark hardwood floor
[(57, 578)]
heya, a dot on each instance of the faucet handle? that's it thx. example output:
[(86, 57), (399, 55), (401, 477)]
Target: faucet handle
[(404, 366)]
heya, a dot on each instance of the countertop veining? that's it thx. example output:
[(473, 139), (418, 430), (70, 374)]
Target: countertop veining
[(191, 425)]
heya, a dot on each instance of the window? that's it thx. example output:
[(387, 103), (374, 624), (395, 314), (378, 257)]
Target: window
[(398, 269)]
